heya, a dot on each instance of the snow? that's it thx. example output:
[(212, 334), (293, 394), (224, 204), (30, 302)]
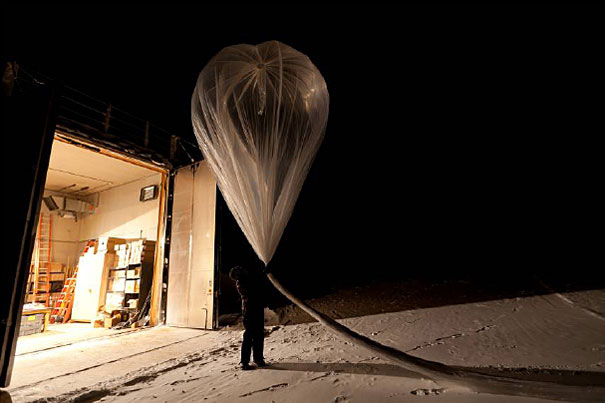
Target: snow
[(553, 343)]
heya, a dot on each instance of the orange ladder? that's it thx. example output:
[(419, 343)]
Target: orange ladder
[(42, 258), (62, 308)]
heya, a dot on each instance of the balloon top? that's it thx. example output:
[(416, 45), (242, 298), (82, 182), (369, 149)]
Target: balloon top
[(259, 113)]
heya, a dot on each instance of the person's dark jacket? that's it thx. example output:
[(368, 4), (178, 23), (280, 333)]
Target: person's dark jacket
[(250, 290)]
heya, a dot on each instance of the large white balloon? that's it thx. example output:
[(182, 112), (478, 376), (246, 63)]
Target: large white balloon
[(259, 114)]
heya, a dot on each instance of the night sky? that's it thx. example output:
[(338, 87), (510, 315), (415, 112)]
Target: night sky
[(461, 139)]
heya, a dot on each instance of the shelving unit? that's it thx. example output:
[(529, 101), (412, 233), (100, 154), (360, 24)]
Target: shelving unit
[(129, 280)]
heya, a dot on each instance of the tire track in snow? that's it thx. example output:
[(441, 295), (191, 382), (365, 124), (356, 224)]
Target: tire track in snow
[(437, 341), (442, 340), (267, 389)]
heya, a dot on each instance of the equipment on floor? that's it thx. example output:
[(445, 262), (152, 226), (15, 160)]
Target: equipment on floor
[(62, 307), (34, 319), (115, 274)]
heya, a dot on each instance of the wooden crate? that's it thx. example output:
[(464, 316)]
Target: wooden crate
[(57, 276)]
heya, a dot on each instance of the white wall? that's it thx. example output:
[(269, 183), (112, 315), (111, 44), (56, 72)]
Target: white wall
[(120, 214), (191, 279), (64, 237)]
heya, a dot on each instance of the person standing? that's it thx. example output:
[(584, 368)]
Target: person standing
[(249, 288)]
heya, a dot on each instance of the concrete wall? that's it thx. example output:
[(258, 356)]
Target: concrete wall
[(120, 214)]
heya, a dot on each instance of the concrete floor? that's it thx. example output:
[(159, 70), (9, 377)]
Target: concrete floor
[(81, 363), (61, 334)]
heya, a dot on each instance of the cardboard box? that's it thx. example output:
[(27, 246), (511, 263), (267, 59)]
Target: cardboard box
[(60, 276), (107, 243), (122, 252), (117, 284), (56, 267), (131, 286), (114, 301), (131, 273), (111, 322)]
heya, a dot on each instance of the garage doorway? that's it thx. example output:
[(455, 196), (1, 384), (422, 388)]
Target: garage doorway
[(108, 197), (96, 248)]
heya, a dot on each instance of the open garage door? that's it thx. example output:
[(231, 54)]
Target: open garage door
[(191, 269)]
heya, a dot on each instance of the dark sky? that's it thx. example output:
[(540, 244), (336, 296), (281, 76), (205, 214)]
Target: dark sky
[(460, 138)]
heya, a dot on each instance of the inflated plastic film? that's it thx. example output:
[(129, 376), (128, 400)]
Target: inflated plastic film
[(259, 114)]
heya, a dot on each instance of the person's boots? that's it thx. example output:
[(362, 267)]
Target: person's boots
[(261, 363), (244, 366)]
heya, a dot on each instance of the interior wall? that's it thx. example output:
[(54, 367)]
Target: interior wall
[(121, 214), (65, 237)]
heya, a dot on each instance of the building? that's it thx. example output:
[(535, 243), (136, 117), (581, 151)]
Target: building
[(96, 176)]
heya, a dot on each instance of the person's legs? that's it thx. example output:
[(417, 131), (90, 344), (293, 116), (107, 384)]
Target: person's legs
[(258, 338), (257, 346), (246, 344)]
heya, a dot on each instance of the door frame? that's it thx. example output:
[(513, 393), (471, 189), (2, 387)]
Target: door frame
[(41, 132), (159, 286), (160, 265), (158, 293)]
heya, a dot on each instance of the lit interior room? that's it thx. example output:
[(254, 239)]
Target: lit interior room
[(92, 264)]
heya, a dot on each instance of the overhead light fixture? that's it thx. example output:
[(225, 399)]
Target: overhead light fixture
[(68, 214)]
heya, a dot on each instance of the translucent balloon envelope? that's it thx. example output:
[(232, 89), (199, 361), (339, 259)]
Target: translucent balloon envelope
[(259, 114)]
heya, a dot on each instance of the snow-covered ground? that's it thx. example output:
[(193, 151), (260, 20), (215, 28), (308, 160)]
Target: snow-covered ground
[(553, 339)]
